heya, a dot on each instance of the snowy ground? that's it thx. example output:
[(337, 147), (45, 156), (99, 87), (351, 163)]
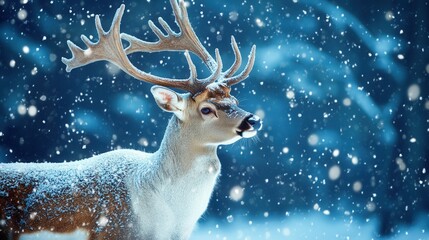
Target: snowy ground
[(312, 227)]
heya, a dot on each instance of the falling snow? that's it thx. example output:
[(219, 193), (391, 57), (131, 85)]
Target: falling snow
[(342, 88)]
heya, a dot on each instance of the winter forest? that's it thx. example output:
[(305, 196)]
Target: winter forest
[(341, 86)]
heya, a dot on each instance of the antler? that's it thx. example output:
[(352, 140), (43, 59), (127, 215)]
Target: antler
[(109, 47)]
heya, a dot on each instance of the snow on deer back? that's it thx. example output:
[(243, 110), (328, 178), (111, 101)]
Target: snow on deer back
[(90, 194)]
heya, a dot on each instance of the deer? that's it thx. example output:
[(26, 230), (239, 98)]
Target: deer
[(131, 194)]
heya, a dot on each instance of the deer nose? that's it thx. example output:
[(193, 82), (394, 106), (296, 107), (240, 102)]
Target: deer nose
[(254, 121), (249, 126)]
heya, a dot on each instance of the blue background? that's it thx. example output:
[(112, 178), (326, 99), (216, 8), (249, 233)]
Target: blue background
[(342, 87)]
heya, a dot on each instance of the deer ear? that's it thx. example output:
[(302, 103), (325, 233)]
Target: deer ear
[(168, 100)]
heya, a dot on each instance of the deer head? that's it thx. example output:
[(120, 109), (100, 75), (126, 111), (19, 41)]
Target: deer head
[(207, 106)]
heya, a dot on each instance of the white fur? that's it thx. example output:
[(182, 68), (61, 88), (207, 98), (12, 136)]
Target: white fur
[(172, 206), (181, 181)]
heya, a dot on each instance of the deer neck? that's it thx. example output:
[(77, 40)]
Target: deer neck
[(180, 152)]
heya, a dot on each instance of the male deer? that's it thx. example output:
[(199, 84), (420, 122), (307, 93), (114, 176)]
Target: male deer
[(129, 194)]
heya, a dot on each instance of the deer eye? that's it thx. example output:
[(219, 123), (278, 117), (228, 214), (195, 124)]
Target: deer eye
[(206, 110)]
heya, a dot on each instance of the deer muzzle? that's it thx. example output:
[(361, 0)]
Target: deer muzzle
[(249, 126)]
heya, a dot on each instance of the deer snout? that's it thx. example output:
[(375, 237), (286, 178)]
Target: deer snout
[(249, 126), (254, 121)]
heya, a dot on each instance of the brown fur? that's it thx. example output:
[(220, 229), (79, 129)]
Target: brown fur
[(84, 206)]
